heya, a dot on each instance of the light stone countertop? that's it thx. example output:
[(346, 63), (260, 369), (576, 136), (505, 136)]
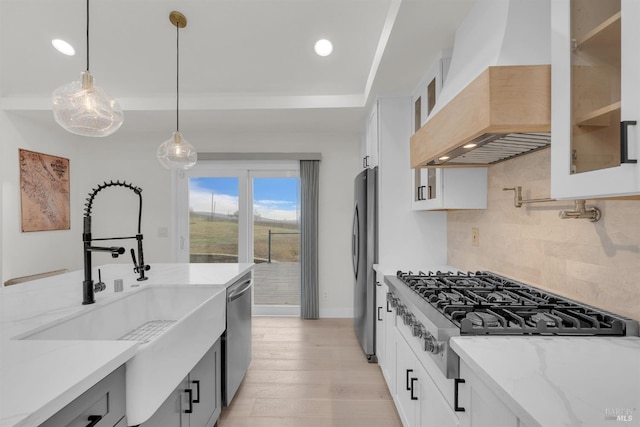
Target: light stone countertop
[(38, 378), (559, 381)]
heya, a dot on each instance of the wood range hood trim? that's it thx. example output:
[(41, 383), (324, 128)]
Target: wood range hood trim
[(501, 100)]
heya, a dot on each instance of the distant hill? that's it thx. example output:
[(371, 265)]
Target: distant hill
[(207, 216)]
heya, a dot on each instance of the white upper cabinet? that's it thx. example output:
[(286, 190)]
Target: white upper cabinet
[(450, 188), (595, 98), (443, 188), (428, 90), (370, 145)]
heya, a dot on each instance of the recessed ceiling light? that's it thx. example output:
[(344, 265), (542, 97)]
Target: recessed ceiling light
[(323, 47), (470, 145), (443, 158), (63, 47)]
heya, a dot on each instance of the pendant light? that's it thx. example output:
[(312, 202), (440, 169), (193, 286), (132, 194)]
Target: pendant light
[(84, 109), (176, 152)]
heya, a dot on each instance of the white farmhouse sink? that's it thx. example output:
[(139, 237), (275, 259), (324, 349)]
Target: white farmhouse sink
[(175, 326)]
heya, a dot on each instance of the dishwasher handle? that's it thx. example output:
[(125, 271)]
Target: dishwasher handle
[(239, 289)]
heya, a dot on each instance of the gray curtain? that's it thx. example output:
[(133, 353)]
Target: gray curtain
[(309, 239)]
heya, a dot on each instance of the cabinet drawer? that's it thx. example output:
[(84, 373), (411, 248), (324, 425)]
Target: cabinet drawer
[(105, 400)]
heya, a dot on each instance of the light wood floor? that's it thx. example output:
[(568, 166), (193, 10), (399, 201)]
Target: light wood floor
[(309, 373)]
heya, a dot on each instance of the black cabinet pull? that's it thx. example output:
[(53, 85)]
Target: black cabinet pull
[(408, 372), (379, 318), (388, 310), (190, 410), (95, 419), (456, 383), (197, 383), (421, 192), (365, 162), (412, 396), (624, 147)]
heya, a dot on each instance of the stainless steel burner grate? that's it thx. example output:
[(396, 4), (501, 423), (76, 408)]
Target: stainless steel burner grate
[(486, 303)]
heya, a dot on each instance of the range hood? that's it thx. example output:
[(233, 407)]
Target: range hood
[(495, 103)]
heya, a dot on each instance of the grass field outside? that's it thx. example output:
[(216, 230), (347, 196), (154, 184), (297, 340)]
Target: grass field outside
[(216, 237)]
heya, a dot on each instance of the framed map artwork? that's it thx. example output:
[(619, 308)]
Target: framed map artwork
[(44, 192)]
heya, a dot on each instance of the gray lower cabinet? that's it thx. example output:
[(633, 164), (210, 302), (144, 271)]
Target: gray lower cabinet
[(206, 382), (196, 402), (103, 405)]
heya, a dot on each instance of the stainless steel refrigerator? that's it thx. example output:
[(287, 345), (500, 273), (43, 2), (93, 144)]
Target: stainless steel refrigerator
[(364, 251)]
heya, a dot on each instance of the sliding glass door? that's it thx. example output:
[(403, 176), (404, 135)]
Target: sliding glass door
[(276, 238), (245, 212)]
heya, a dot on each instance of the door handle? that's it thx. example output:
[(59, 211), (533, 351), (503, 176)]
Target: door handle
[(379, 319), (408, 372), (239, 290), (355, 234), (421, 192), (624, 141), (353, 255), (95, 419), (197, 383), (412, 396), (190, 393), (456, 394)]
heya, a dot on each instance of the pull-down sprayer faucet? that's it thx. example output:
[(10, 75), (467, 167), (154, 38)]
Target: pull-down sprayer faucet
[(88, 290)]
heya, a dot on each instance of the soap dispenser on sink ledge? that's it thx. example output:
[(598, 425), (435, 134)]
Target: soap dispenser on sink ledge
[(140, 267)]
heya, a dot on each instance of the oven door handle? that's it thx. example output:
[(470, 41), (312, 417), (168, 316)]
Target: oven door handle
[(456, 395)]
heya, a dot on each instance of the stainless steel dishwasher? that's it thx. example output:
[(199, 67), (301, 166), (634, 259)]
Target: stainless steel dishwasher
[(236, 341)]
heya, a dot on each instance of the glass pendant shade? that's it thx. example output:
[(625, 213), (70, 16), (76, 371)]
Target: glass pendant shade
[(177, 153), (84, 109)]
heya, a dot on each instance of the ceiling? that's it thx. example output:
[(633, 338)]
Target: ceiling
[(244, 64)]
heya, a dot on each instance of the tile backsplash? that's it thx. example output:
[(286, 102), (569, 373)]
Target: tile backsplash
[(595, 263)]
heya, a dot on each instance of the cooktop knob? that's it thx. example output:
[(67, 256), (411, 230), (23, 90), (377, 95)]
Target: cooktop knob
[(417, 330), (408, 318), (432, 345)]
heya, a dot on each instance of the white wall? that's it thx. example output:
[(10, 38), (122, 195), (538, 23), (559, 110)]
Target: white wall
[(408, 240), (35, 252), (132, 157)]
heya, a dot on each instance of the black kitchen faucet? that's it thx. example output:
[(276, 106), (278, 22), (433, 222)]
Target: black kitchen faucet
[(88, 290)]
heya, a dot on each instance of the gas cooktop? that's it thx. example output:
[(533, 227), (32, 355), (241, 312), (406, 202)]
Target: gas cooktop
[(486, 303)]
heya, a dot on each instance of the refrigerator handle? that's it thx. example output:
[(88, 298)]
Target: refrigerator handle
[(355, 242)]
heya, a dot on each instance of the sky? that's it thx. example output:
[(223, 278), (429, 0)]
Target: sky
[(274, 198)]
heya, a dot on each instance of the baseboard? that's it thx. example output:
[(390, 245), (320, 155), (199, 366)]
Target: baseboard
[(276, 310), (339, 313), (294, 311)]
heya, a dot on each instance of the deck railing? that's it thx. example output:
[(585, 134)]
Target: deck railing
[(271, 233)]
